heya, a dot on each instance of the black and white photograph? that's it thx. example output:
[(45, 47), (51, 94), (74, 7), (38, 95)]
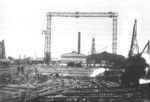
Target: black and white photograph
[(74, 51)]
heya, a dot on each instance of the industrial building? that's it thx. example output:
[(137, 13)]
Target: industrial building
[(105, 59), (73, 57)]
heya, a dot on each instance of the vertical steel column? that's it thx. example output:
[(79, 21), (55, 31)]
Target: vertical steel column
[(114, 42), (79, 42), (48, 40)]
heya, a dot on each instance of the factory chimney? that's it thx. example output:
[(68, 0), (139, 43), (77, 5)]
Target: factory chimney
[(79, 43)]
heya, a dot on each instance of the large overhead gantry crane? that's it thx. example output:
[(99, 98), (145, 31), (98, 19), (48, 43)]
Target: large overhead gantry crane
[(47, 32)]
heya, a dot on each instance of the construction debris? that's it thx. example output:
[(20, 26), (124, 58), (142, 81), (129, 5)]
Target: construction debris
[(69, 89)]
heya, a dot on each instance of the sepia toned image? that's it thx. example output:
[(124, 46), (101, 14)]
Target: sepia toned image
[(74, 51)]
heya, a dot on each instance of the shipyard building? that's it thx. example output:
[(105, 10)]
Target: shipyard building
[(105, 59)]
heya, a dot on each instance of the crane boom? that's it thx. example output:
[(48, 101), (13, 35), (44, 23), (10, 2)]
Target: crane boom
[(134, 44)]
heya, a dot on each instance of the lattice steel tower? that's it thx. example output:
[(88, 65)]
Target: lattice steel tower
[(134, 48), (47, 50)]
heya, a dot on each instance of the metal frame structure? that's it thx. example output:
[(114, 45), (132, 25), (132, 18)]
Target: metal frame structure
[(112, 15)]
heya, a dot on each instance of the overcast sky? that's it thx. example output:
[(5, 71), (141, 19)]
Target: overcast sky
[(22, 21)]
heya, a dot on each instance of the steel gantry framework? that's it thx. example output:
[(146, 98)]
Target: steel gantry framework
[(112, 15)]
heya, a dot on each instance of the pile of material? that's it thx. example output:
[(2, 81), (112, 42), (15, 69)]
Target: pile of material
[(14, 86), (52, 87), (74, 90), (14, 92)]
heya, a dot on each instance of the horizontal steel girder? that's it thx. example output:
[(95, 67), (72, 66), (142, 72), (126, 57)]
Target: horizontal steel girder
[(82, 14)]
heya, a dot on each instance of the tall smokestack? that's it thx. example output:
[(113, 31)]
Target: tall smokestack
[(79, 42)]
